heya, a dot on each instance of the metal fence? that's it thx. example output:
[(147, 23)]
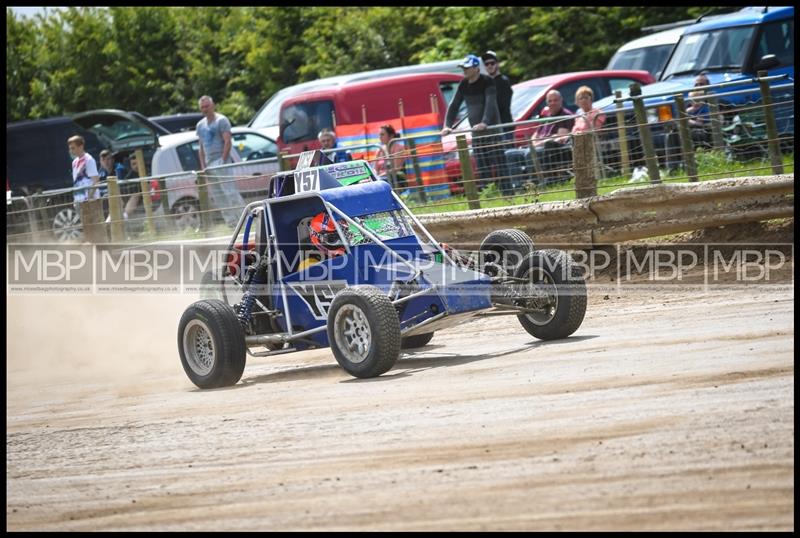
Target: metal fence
[(506, 165)]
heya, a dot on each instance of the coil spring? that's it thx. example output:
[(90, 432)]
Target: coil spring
[(249, 299)]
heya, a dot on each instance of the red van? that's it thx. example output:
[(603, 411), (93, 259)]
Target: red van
[(303, 116)]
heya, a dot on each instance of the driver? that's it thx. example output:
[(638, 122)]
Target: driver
[(325, 238)]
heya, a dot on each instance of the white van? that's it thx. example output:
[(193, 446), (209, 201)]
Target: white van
[(649, 53)]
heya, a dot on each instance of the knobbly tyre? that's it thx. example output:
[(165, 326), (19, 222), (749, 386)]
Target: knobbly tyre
[(336, 259)]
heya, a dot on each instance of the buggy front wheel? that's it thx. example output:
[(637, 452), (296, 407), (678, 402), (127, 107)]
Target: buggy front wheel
[(364, 331)]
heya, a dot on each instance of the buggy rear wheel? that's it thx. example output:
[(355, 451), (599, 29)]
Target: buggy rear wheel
[(559, 310), (415, 341), (211, 344), (504, 250)]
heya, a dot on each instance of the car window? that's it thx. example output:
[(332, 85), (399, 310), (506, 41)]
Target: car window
[(650, 59), (251, 146), (777, 38), (722, 50), (303, 121), (598, 86), (622, 84), (448, 91), (522, 99), (189, 156)]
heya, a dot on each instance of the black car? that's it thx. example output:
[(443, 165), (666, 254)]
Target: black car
[(177, 123), (37, 159)]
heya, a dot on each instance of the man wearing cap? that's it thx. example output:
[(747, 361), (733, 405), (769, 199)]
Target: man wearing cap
[(480, 94), (503, 85)]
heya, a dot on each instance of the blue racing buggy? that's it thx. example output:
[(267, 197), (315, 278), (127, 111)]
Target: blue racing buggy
[(337, 259)]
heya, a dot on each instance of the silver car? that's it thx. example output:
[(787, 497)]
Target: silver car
[(255, 161)]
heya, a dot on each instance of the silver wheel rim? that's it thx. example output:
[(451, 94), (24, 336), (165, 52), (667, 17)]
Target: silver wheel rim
[(198, 346), (187, 217), (545, 283), (66, 224), (352, 333)]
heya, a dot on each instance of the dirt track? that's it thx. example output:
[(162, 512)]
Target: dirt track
[(668, 411)]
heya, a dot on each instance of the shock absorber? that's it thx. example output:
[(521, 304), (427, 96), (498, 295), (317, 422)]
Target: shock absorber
[(249, 298)]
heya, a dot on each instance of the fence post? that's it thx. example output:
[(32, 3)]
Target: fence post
[(622, 134), (716, 122), (282, 164), (115, 210), (417, 171), (94, 229), (33, 205), (645, 134), (45, 223), (687, 146), (773, 143), (467, 175), (202, 195), (144, 185), (583, 164)]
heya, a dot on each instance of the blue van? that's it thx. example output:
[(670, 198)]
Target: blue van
[(728, 48)]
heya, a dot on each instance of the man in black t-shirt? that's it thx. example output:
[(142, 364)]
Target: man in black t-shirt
[(480, 94)]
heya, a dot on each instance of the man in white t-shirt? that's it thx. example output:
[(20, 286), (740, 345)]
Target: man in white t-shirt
[(214, 134), (84, 170)]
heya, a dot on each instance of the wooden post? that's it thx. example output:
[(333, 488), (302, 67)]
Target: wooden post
[(645, 134), (38, 203), (144, 185), (687, 146), (115, 211), (202, 194), (282, 164), (716, 122), (467, 175), (773, 143), (364, 114), (32, 204), (333, 119), (92, 220), (583, 163), (417, 171), (622, 133)]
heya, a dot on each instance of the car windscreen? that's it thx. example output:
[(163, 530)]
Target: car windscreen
[(650, 59), (303, 121), (523, 97), (724, 49)]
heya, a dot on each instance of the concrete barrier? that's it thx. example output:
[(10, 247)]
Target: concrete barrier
[(628, 213)]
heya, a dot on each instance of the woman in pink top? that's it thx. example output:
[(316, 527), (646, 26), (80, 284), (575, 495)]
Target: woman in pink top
[(587, 118)]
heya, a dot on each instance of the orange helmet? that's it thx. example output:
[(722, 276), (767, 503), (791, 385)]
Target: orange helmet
[(324, 236)]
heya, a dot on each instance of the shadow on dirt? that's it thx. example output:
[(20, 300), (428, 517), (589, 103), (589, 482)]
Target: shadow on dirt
[(410, 362)]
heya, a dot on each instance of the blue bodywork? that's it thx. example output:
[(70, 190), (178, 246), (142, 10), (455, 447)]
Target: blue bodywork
[(399, 267)]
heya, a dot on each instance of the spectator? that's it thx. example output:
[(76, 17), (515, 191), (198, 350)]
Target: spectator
[(698, 116), (503, 86), (327, 140), (480, 94), (393, 162), (133, 188), (84, 170), (588, 119), (214, 134), (551, 141), (106, 169)]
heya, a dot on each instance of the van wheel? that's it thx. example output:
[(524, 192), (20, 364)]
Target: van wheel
[(186, 215), (67, 225)]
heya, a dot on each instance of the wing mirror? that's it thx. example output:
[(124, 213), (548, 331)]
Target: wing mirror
[(767, 62)]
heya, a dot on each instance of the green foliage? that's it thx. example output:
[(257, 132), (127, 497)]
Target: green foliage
[(159, 60)]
